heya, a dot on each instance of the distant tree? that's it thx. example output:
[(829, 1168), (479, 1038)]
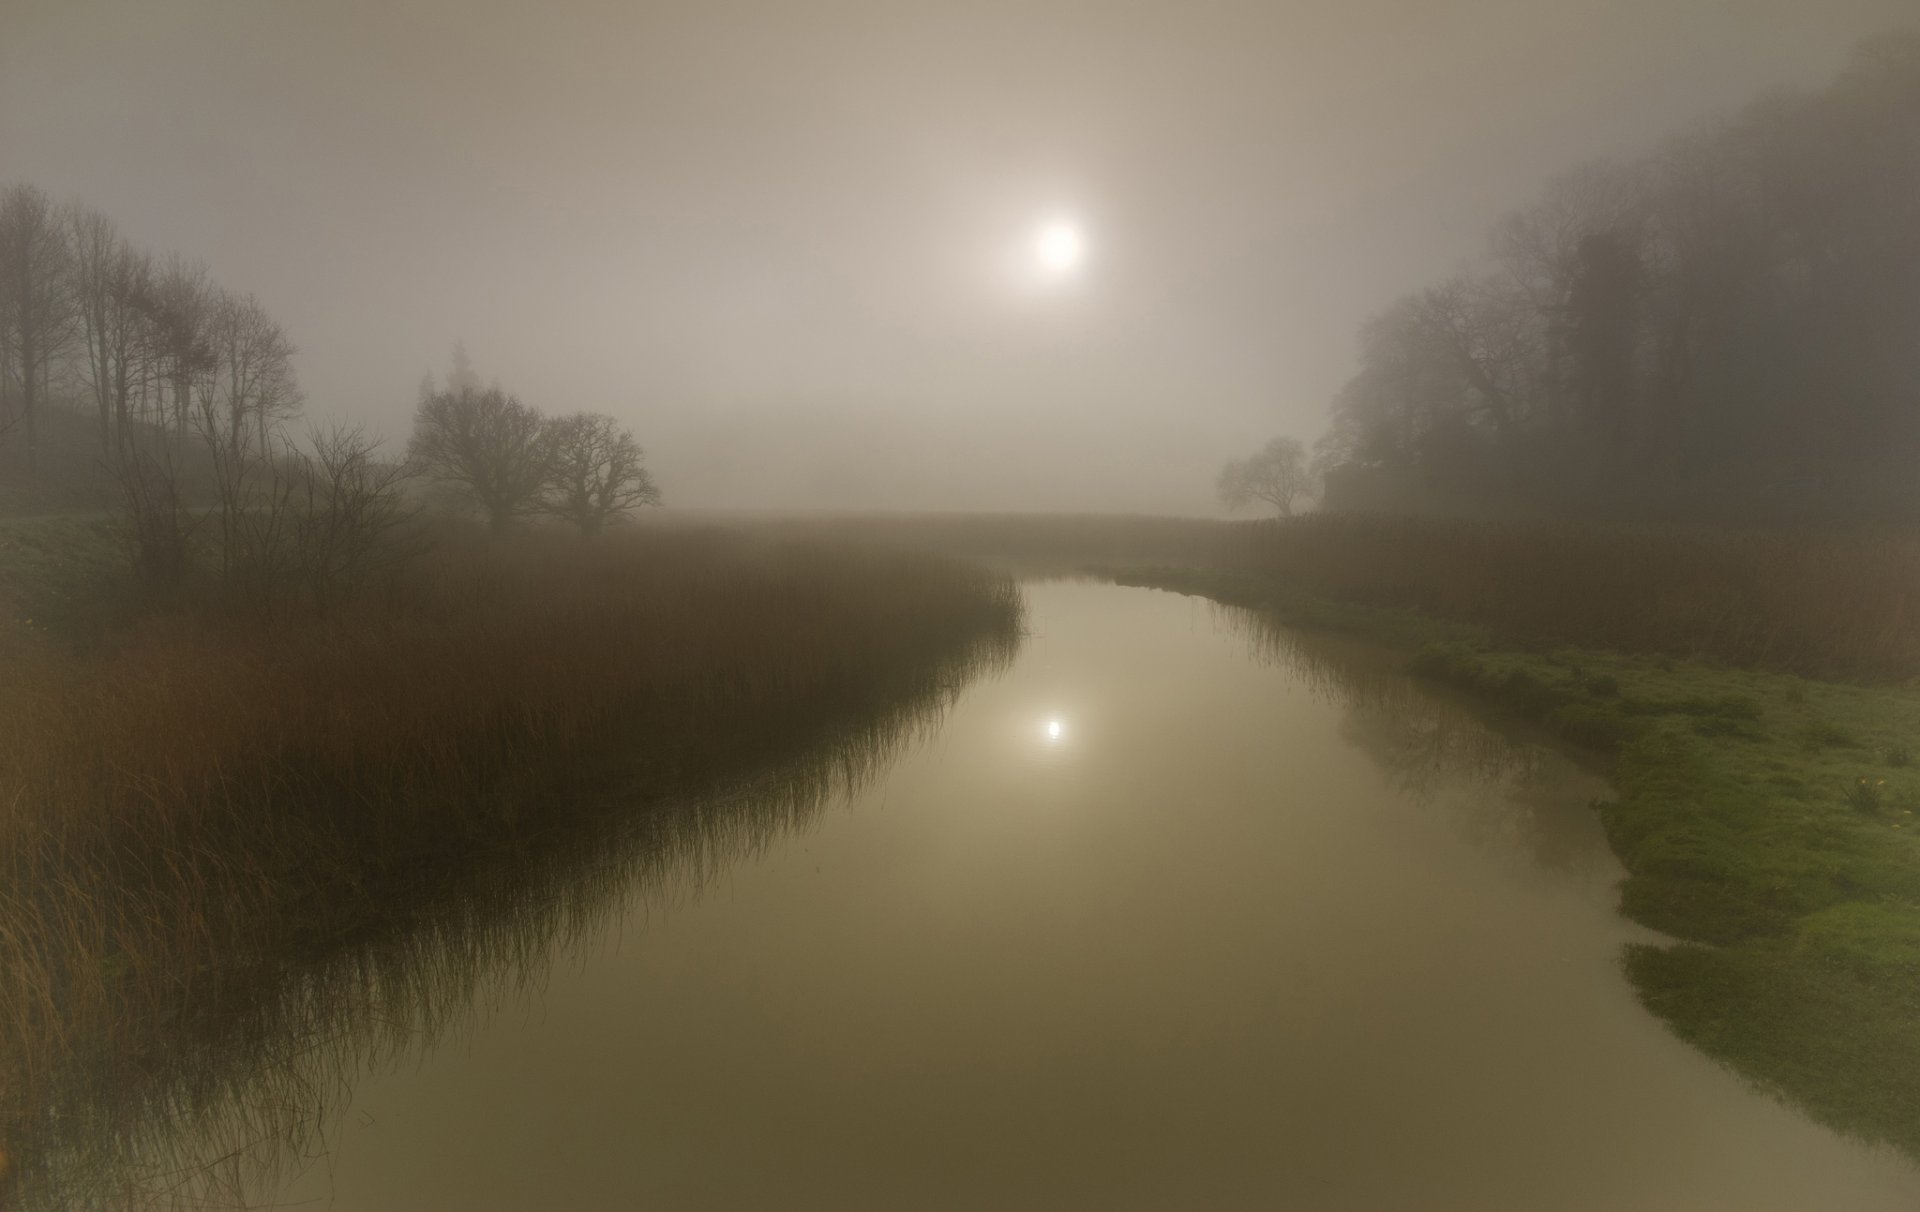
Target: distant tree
[(1278, 475), (1742, 299), (1478, 327), (595, 472), (252, 385), (38, 316), (1600, 333), (461, 377), (486, 445)]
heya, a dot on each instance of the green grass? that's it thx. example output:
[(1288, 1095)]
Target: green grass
[(1765, 821)]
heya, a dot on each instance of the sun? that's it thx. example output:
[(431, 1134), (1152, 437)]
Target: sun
[(1060, 247)]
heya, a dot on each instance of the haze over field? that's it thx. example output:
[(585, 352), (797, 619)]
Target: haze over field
[(791, 244)]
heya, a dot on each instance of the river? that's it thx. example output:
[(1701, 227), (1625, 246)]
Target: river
[(1178, 911)]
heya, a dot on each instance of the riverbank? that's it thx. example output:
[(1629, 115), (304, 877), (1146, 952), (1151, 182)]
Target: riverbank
[(1835, 604), (189, 802), (1767, 823), (1766, 819)]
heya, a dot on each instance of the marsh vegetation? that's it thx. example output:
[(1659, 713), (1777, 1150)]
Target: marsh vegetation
[(1002, 928), (189, 808)]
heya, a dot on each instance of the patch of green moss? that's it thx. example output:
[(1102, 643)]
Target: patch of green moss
[(1798, 1021)]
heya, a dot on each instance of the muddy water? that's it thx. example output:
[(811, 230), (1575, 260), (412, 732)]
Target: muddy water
[(1176, 913)]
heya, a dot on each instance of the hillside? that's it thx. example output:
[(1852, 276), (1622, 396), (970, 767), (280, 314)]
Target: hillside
[(72, 474)]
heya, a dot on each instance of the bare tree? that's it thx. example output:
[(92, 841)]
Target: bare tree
[(487, 446), (180, 308), (1277, 475), (111, 285), (252, 385), (241, 386), (352, 516), (37, 312), (596, 473), (253, 498)]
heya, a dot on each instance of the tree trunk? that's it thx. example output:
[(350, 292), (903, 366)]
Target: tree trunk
[(29, 413)]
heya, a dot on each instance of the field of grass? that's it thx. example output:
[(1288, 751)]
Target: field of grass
[(187, 801), (1766, 821)]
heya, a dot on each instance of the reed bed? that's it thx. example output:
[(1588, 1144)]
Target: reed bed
[(1038, 545), (1840, 605), (189, 808), (1836, 605)]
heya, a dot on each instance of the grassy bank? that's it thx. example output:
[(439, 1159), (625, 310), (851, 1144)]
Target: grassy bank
[(189, 802), (1766, 821)]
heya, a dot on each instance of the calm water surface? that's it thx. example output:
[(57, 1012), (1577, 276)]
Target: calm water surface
[(1176, 913)]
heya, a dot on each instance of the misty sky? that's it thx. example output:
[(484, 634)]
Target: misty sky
[(783, 239)]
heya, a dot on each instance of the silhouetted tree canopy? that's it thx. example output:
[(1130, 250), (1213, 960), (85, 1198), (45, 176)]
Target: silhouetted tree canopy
[(1277, 475), (487, 446), (595, 472), (38, 308), (1728, 327)]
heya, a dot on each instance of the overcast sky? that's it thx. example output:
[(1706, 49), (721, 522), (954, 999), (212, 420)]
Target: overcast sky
[(787, 241)]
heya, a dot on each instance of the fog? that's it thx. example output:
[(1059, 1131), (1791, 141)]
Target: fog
[(940, 802), (789, 244)]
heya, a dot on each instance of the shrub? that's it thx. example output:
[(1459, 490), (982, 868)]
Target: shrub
[(1867, 795)]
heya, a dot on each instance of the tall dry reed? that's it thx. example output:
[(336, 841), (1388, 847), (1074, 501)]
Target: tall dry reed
[(1844, 605), (206, 799)]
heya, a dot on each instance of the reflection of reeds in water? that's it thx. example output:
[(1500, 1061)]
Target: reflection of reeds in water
[(188, 991), (1503, 790)]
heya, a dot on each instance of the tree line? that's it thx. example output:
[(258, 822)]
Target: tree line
[(1727, 326), (147, 343), (193, 392), (508, 460)]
